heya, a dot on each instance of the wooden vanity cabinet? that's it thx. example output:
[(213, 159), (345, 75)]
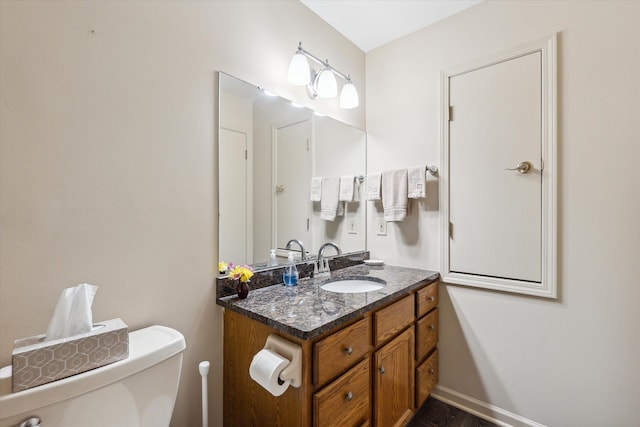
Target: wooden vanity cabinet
[(374, 371)]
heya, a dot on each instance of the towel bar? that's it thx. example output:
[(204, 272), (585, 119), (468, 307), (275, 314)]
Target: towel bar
[(433, 169)]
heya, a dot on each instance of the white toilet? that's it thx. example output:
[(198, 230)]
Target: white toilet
[(139, 391)]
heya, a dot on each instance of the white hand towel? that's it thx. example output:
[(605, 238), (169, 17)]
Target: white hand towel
[(347, 187), (394, 195), (417, 182), (356, 189), (316, 189), (329, 202), (372, 190)]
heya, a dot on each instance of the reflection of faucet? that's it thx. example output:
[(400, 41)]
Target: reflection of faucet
[(322, 268), (299, 243)]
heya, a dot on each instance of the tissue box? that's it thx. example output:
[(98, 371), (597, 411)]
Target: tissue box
[(36, 362)]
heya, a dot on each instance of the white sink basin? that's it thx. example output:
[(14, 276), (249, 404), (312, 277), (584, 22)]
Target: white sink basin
[(353, 286)]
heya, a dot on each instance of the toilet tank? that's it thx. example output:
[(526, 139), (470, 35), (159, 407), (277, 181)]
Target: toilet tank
[(139, 391)]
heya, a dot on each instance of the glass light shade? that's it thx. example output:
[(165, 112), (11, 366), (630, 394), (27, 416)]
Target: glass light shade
[(299, 72), (349, 96), (327, 86)]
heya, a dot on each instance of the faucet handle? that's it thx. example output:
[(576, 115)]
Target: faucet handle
[(326, 266)]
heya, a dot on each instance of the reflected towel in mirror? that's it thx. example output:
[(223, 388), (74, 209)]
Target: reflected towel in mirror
[(329, 202), (316, 189)]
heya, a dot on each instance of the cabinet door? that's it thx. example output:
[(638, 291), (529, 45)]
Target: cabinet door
[(394, 381)]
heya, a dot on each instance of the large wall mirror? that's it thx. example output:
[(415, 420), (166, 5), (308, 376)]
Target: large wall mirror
[(268, 152)]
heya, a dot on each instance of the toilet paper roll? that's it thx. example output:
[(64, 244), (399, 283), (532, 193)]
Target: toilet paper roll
[(265, 370)]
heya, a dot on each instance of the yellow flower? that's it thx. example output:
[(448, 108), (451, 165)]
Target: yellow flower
[(242, 273), (222, 266)]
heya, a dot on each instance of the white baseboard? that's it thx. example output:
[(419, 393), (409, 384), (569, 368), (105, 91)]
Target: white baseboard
[(482, 409)]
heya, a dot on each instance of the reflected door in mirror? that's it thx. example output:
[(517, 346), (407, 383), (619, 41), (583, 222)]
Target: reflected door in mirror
[(292, 177), (233, 196)]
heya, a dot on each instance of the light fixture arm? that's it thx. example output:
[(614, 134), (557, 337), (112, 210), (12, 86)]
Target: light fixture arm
[(324, 63)]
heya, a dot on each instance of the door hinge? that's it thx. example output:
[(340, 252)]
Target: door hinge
[(450, 113), (450, 230), (308, 145), (246, 154), (307, 224)]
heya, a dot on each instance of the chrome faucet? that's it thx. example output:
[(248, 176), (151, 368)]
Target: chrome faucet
[(323, 268), (299, 243)]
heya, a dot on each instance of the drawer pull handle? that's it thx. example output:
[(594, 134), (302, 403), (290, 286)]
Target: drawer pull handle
[(349, 396), (432, 298), (349, 350), (432, 327), (381, 369), (432, 371)]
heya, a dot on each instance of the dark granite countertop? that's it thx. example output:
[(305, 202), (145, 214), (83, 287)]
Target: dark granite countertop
[(306, 311)]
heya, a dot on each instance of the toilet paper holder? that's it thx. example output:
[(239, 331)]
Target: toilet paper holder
[(291, 351)]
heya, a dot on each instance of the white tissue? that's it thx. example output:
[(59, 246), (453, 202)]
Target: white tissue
[(265, 369), (72, 315)]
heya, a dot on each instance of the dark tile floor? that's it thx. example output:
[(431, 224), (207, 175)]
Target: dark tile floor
[(435, 413)]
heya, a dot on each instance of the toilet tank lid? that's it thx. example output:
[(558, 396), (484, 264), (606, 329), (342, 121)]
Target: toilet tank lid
[(147, 347)]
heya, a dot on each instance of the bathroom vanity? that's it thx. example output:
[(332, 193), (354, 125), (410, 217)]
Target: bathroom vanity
[(368, 358)]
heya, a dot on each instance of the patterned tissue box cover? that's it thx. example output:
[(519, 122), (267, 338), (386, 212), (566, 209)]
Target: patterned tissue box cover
[(36, 362)]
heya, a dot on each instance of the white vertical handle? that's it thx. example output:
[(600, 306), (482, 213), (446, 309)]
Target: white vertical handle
[(204, 371)]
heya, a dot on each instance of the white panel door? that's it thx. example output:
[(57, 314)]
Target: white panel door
[(495, 214), (292, 178), (233, 195)]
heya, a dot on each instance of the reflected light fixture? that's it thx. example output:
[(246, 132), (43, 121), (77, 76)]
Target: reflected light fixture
[(321, 83)]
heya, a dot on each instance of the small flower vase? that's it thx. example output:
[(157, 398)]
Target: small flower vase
[(242, 289)]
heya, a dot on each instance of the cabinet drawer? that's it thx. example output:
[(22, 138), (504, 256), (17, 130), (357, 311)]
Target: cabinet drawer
[(426, 378), (339, 351), (426, 299), (346, 401), (392, 319), (426, 334)]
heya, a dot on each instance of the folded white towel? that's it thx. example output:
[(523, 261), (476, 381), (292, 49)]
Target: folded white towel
[(372, 190), (347, 187), (394, 195), (417, 182), (329, 202), (316, 189)]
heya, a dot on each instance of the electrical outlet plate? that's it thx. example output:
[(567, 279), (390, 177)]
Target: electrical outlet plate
[(381, 227), (352, 226)]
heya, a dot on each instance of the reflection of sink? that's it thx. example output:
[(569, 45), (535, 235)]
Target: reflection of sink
[(354, 285)]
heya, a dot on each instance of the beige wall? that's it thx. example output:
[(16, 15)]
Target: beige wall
[(108, 157), (570, 362)]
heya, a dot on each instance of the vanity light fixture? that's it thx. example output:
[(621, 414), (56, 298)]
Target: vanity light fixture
[(321, 83)]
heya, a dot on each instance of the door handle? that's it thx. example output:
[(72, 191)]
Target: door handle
[(522, 167)]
